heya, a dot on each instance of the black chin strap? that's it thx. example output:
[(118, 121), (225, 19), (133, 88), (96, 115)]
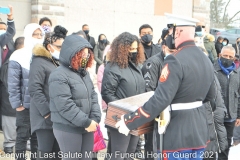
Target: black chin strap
[(173, 37)]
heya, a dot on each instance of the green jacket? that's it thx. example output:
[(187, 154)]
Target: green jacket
[(210, 46)]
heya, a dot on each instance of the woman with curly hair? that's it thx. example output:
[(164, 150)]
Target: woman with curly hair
[(44, 61), (123, 78), (75, 111)]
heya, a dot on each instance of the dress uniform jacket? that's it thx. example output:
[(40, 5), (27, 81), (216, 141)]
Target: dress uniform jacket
[(187, 77)]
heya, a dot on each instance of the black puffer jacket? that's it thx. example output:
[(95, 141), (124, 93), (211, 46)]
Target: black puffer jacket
[(73, 101), (216, 111), (119, 83), (41, 66)]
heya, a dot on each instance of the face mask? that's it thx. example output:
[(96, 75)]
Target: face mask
[(103, 40), (84, 62), (147, 38), (169, 42), (133, 56), (199, 34), (226, 62), (37, 41), (46, 29), (86, 31), (2, 32), (224, 43), (55, 54)]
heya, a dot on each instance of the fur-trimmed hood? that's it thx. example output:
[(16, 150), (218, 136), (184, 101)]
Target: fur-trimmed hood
[(39, 50)]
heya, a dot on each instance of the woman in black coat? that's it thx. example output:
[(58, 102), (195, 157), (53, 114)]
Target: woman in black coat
[(219, 45), (123, 78), (44, 61), (75, 111), (99, 49)]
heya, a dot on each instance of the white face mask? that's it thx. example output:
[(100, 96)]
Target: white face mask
[(55, 54), (37, 41), (2, 32)]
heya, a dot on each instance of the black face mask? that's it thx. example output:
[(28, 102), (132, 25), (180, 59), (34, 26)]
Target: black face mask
[(86, 31), (103, 40), (147, 38), (133, 56), (226, 62)]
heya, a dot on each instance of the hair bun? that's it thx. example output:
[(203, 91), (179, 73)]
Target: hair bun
[(59, 30)]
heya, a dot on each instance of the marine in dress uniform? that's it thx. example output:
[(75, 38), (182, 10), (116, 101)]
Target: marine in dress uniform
[(186, 82)]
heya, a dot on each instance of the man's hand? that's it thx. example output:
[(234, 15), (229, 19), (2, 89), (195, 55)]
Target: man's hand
[(10, 15), (122, 128), (237, 123), (92, 127), (21, 108)]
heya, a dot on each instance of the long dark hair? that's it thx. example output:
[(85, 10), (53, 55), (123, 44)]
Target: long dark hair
[(120, 50), (100, 44)]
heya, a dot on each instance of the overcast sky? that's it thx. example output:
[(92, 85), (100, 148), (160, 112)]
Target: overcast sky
[(233, 7)]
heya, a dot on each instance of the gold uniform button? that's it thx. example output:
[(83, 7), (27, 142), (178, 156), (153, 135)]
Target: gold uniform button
[(136, 114), (125, 119), (129, 117)]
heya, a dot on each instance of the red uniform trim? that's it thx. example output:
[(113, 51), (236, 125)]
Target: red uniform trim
[(129, 121), (181, 149), (144, 113), (182, 48)]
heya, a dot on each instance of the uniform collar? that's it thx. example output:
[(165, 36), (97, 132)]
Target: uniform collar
[(186, 43)]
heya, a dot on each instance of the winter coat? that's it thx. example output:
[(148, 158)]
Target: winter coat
[(151, 71), (230, 90), (91, 40), (119, 83), (99, 83), (237, 48), (209, 45), (215, 113), (98, 56), (41, 66), (18, 70), (6, 108), (6, 38), (218, 47), (73, 101), (153, 48)]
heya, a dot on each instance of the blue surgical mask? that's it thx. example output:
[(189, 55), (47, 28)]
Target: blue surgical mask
[(2, 32), (224, 43), (199, 34)]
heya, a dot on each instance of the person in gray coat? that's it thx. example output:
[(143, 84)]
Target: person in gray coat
[(74, 107), (99, 49), (229, 79), (215, 113), (44, 61)]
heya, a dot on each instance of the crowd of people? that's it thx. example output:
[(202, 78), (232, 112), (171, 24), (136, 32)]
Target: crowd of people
[(48, 97)]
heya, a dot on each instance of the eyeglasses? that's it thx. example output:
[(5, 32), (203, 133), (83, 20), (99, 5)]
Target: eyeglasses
[(58, 47), (38, 34)]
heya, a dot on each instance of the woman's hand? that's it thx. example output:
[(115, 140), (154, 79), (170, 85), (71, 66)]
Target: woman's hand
[(92, 127)]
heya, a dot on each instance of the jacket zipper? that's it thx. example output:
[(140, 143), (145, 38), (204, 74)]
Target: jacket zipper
[(88, 95)]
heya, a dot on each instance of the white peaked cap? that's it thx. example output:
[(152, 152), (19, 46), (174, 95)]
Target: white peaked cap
[(180, 20)]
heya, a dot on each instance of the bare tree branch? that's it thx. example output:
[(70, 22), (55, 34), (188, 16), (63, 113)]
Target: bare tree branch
[(234, 16), (225, 11)]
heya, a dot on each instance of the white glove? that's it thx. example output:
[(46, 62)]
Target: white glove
[(122, 128)]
